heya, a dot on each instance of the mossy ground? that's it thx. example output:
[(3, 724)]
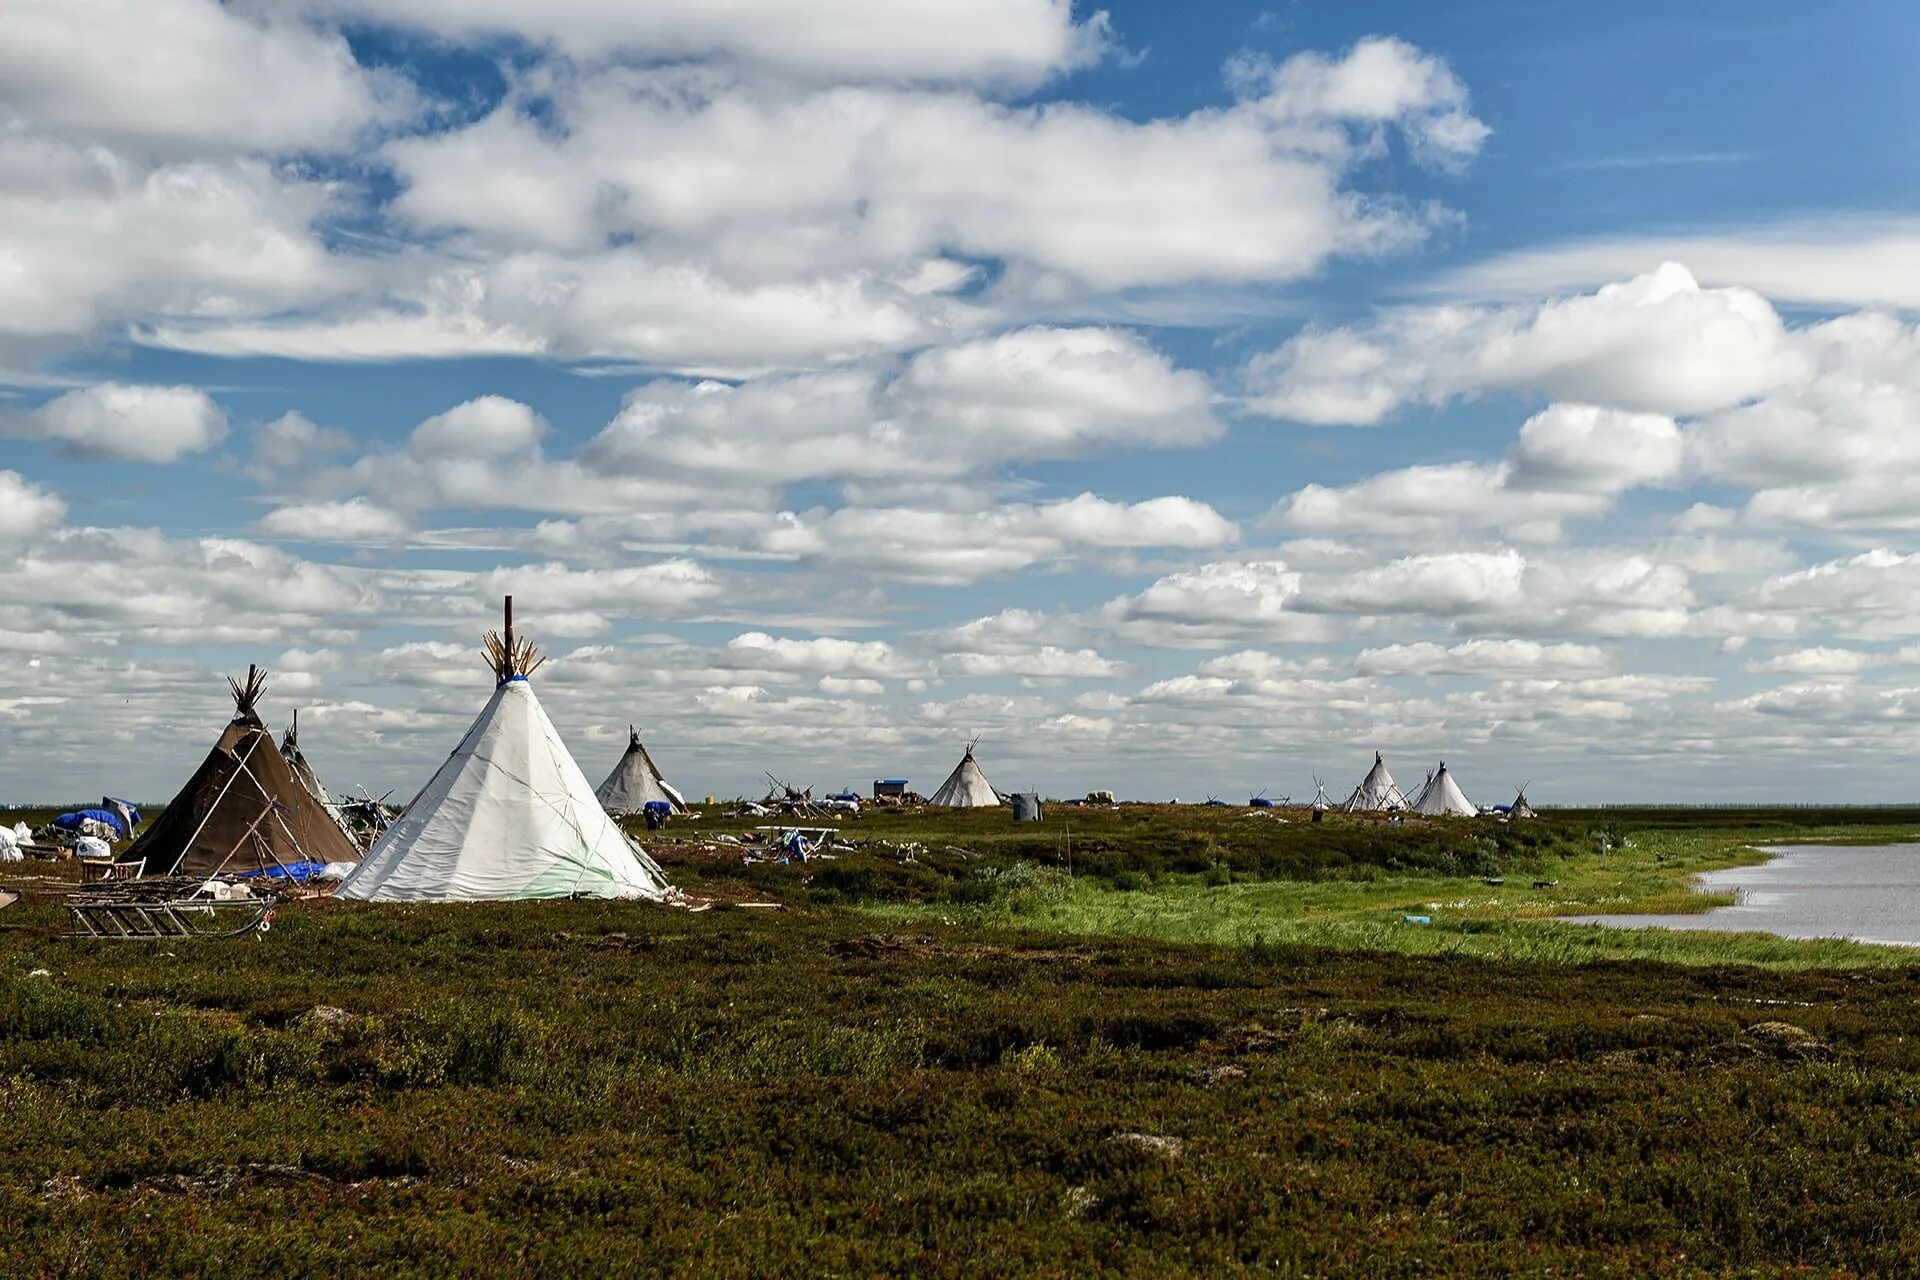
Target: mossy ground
[(605, 1088)]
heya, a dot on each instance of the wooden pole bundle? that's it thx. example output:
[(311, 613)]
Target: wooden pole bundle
[(508, 656)]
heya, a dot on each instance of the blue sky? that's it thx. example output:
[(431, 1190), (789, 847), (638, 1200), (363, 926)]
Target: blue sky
[(1186, 400)]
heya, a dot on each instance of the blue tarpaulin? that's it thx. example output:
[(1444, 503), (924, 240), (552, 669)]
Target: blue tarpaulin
[(298, 872), (72, 821)]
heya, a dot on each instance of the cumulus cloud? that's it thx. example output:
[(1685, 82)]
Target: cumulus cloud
[(1032, 394), (188, 73), (1658, 343), (134, 423), (486, 427), (964, 546), (93, 238), (696, 219), (1831, 262), (355, 520), (293, 444), (1045, 662), (829, 655), (26, 509), (1016, 43), (1481, 657), (1570, 462)]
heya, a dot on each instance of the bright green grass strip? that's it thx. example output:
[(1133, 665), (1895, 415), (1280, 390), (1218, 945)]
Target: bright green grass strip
[(1509, 921)]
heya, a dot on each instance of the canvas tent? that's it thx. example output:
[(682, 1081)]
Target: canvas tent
[(508, 816), (296, 761), (1520, 808), (1377, 792), (966, 787), (243, 809), (635, 781), (1442, 797)]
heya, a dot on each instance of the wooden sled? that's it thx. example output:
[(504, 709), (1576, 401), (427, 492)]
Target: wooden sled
[(166, 909)]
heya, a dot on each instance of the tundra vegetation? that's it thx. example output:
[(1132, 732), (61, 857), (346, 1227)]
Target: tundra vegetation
[(1214, 1046)]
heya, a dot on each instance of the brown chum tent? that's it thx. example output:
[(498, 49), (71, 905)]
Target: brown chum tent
[(243, 809)]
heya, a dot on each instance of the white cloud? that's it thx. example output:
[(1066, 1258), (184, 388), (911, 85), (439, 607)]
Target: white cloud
[(960, 546), (486, 427), (1480, 658), (1831, 262), (136, 423), (26, 509), (675, 586), (1873, 595), (1658, 343), (843, 685), (763, 180), (1435, 500), (1045, 662), (1830, 660), (999, 42), (1032, 394), (187, 73), (92, 238), (829, 655), (292, 445), (355, 520), (1569, 463), (700, 219)]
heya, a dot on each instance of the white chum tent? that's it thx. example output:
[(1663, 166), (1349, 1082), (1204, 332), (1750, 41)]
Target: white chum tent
[(1442, 796), (508, 816), (1377, 791), (966, 787), (636, 781)]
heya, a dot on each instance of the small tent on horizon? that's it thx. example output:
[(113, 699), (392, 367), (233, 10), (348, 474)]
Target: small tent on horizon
[(1377, 792), (636, 781), (966, 787), (508, 816), (1520, 808), (244, 808), (1442, 797)]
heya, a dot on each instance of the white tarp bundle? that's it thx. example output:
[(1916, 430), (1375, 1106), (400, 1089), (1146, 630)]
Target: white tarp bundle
[(966, 787), (508, 816), (1442, 796), (1378, 790), (636, 781)]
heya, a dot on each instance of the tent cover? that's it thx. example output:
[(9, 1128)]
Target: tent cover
[(1442, 796), (508, 816), (635, 782), (1377, 791), (242, 810), (966, 787), (1520, 808)]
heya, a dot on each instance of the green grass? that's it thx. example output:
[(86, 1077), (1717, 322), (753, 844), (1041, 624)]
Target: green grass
[(558, 1089), (1189, 874), (1216, 1049)]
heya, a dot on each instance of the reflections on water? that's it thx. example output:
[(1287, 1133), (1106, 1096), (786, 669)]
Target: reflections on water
[(1810, 891)]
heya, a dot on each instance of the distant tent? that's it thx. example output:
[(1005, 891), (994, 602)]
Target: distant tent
[(243, 809), (290, 750), (1321, 800), (297, 761), (508, 816), (966, 787), (635, 781), (1442, 796), (1520, 808), (1377, 791)]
